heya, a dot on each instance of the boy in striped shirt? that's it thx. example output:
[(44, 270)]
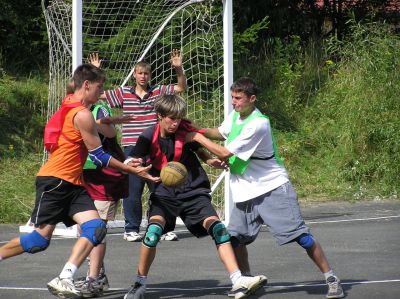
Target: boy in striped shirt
[(138, 100)]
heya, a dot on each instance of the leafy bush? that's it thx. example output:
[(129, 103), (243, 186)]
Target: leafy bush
[(22, 115), (17, 193), (352, 128)]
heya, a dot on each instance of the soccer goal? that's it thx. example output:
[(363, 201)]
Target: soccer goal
[(124, 32)]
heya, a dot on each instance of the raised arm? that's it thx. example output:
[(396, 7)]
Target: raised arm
[(85, 123), (95, 60), (176, 63)]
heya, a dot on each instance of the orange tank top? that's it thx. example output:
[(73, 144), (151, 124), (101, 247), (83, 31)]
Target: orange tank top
[(67, 160)]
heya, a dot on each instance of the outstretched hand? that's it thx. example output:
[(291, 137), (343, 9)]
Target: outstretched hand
[(176, 58), (94, 59), (135, 167), (143, 172)]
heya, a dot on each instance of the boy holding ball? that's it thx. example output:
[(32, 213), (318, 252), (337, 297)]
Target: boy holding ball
[(191, 201)]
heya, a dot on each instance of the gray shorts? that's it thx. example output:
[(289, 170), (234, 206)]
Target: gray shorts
[(278, 209)]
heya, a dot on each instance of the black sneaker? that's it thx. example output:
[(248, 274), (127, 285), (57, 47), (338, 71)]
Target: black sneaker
[(335, 289), (136, 291)]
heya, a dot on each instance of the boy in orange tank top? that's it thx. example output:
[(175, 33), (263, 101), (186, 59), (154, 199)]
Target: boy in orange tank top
[(60, 196)]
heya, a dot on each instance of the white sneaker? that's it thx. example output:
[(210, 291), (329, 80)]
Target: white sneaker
[(247, 285), (335, 289), (170, 236), (132, 237), (63, 288), (231, 292)]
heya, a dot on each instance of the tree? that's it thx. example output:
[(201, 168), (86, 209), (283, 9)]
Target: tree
[(23, 36)]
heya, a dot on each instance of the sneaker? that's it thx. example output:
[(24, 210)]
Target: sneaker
[(231, 292), (170, 236), (247, 285), (136, 291), (132, 237), (91, 288), (78, 283), (103, 280), (335, 289), (63, 288)]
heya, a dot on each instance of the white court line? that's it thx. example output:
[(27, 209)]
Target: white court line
[(225, 287), (307, 222), (350, 220)]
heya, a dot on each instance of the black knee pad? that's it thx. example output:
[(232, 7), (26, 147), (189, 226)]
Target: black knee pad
[(219, 233)]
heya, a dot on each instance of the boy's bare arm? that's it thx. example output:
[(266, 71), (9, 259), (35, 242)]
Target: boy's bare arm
[(108, 130), (209, 160), (221, 152), (84, 122), (176, 63), (214, 134)]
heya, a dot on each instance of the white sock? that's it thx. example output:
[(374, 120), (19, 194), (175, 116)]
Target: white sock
[(141, 279), (1, 258), (234, 276), (329, 274), (68, 271)]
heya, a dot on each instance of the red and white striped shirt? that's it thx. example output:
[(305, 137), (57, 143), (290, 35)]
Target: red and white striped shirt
[(143, 108)]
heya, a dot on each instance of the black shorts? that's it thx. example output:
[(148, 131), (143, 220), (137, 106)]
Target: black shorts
[(58, 200), (192, 211)]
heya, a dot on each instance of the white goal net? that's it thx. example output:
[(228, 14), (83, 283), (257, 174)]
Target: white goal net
[(124, 32)]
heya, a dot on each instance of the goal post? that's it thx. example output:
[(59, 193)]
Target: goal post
[(228, 80), (124, 32)]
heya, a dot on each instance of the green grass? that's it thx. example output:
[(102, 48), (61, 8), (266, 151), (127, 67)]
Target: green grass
[(349, 134), (17, 178)]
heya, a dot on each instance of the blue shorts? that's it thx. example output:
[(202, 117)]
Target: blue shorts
[(278, 209)]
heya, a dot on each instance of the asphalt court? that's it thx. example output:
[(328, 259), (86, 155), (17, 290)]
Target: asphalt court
[(361, 241)]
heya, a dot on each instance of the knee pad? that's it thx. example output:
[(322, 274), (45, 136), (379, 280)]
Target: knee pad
[(94, 230), (218, 232), (305, 240), (34, 242), (153, 234)]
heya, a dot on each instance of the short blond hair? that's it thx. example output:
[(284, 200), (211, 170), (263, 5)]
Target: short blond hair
[(171, 105), (143, 65)]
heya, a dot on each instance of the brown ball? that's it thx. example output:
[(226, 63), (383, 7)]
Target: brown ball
[(173, 174)]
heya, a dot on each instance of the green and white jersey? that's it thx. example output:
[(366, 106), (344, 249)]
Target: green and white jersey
[(254, 143)]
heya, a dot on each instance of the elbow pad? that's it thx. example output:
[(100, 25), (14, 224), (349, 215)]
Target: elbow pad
[(99, 157)]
